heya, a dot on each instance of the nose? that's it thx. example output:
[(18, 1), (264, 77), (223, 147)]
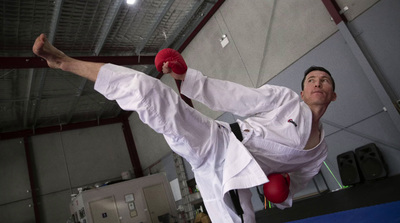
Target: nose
[(318, 84)]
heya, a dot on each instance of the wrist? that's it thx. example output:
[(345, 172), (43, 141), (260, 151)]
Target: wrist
[(180, 77)]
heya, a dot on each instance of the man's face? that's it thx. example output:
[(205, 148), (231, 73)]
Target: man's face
[(318, 89)]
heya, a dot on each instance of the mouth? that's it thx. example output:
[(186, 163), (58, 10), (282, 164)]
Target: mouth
[(317, 92)]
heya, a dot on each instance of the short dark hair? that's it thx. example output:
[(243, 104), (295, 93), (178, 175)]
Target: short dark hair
[(314, 68)]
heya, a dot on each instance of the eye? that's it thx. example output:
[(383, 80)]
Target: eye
[(326, 80)]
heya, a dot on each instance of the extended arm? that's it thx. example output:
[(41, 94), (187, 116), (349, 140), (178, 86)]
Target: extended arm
[(298, 181), (231, 97), (217, 94)]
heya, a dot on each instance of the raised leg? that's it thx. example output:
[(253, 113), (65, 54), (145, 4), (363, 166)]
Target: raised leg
[(58, 60)]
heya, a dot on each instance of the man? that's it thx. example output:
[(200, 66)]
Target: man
[(281, 135)]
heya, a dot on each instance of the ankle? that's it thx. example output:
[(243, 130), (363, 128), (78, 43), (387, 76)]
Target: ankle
[(64, 63)]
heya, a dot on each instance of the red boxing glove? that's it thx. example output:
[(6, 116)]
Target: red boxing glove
[(277, 189), (175, 59)]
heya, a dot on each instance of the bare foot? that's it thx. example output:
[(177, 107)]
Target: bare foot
[(43, 48)]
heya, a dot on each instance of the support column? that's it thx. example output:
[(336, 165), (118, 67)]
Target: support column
[(29, 162), (130, 143)]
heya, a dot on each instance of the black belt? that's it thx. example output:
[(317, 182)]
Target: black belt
[(236, 203), (235, 128)]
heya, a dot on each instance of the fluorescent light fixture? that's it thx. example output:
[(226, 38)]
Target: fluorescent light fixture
[(130, 2)]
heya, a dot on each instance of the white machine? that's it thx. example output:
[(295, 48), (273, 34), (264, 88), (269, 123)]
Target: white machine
[(142, 200)]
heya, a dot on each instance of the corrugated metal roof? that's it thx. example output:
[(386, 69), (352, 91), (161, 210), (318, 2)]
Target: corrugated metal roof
[(40, 97)]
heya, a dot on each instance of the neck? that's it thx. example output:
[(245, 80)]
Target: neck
[(317, 113)]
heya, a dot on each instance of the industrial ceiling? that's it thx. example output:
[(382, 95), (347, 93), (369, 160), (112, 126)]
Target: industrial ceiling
[(33, 96)]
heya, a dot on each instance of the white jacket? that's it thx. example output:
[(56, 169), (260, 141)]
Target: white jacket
[(219, 161), (279, 125)]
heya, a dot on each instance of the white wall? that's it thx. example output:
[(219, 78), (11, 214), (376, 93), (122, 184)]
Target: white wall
[(62, 163)]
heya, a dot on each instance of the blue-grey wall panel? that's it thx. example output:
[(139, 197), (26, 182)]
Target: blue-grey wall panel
[(378, 33), (61, 200), (18, 212), (96, 154), (50, 166), (14, 174)]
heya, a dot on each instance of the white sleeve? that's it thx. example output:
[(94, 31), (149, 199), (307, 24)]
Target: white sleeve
[(298, 181), (231, 97)]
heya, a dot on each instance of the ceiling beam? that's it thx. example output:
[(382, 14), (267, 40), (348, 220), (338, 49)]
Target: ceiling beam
[(37, 62), (58, 128)]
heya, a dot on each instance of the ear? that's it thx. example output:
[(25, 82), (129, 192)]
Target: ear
[(301, 94), (334, 96)]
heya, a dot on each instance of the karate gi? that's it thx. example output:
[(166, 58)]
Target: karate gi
[(275, 133)]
